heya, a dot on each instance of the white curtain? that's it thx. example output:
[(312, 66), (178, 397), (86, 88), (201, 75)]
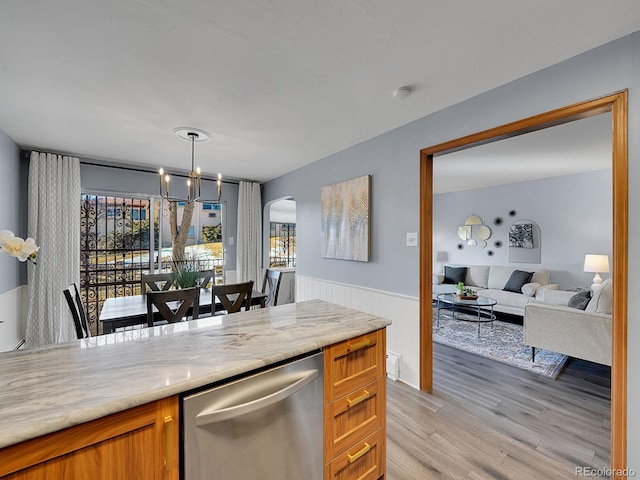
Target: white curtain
[(54, 223), (249, 235)]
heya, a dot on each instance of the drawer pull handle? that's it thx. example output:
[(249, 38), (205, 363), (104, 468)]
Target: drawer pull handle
[(357, 455), (352, 347), (168, 442), (361, 398)]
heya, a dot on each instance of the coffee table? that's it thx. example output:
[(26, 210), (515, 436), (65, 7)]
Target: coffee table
[(482, 307)]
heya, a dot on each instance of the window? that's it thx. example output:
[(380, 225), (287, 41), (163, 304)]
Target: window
[(115, 245), (282, 240), (114, 249), (204, 240)]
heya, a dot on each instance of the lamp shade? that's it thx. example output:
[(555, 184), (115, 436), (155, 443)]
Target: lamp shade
[(596, 263)]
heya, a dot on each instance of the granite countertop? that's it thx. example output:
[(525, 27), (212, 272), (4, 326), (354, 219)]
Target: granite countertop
[(45, 390)]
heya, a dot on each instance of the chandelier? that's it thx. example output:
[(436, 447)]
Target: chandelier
[(194, 179)]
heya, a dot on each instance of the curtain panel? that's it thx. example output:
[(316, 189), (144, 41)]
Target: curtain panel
[(249, 235), (54, 222)]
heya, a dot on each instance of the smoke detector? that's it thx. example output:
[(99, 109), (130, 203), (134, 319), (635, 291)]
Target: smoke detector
[(402, 92)]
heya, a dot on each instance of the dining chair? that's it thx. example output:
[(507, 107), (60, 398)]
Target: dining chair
[(271, 286), (156, 282), (77, 311), (233, 296), (173, 305), (204, 277)]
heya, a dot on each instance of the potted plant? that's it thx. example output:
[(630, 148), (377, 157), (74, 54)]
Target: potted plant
[(460, 288), (186, 276)]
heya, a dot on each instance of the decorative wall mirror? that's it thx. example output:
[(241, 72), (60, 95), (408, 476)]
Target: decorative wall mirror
[(464, 232), (474, 227)]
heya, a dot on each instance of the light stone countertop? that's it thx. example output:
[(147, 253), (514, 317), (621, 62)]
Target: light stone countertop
[(48, 389)]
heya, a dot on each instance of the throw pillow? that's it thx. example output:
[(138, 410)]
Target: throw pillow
[(454, 274), (601, 300), (529, 289), (580, 300), (517, 279)]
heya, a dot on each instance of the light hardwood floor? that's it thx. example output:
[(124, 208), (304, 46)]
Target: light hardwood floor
[(487, 420)]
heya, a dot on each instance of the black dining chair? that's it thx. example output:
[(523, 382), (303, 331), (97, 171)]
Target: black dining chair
[(205, 277), (156, 282), (77, 311), (233, 296), (271, 286), (172, 305)]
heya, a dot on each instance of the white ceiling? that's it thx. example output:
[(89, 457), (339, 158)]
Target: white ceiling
[(579, 146), (279, 83)]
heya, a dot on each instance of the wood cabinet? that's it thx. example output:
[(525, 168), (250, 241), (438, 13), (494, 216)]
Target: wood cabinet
[(140, 443), (355, 408)]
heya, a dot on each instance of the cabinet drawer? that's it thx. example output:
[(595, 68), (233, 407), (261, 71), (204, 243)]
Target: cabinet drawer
[(351, 418), (363, 461), (352, 364)]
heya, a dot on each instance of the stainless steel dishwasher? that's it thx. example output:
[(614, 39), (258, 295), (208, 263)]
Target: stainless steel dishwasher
[(268, 425)]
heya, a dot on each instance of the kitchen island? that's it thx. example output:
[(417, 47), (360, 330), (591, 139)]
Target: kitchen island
[(50, 389)]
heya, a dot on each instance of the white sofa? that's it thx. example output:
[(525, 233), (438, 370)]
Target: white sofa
[(556, 327), (490, 280)]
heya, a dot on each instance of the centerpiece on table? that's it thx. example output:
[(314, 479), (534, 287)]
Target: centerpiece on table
[(186, 275), (464, 293)]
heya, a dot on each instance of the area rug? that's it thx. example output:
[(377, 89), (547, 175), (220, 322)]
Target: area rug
[(502, 342)]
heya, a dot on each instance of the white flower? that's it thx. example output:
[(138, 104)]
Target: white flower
[(23, 250), (4, 236)]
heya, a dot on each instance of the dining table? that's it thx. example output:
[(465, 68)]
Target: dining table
[(131, 310)]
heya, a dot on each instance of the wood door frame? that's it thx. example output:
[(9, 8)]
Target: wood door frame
[(617, 104)]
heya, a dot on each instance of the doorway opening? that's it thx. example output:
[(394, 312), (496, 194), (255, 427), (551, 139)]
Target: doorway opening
[(280, 218), (617, 105)]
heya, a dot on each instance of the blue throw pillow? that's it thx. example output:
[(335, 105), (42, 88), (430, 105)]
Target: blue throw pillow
[(517, 279), (454, 274)]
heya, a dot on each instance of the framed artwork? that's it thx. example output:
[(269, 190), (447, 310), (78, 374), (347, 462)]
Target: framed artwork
[(524, 242), (345, 219), (521, 235)]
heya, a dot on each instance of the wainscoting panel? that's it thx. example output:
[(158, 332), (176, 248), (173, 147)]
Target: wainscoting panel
[(402, 310), (13, 314)]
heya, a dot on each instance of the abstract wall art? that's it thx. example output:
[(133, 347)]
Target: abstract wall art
[(345, 219), (521, 235)]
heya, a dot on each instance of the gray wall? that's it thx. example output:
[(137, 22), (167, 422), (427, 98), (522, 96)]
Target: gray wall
[(109, 179), (394, 211), (572, 211), (13, 214), (393, 160)]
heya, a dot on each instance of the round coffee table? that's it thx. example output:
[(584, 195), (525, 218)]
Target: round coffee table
[(481, 307)]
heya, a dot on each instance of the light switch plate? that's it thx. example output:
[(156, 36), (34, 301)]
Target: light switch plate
[(412, 239), (230, 240)]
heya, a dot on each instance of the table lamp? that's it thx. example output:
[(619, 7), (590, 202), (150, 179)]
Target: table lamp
[(596, 263)]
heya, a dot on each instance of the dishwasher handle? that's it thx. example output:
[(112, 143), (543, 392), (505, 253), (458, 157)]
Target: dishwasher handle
[(218, 415)]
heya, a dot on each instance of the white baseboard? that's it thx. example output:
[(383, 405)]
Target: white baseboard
[(402, 310), (13, 314)]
